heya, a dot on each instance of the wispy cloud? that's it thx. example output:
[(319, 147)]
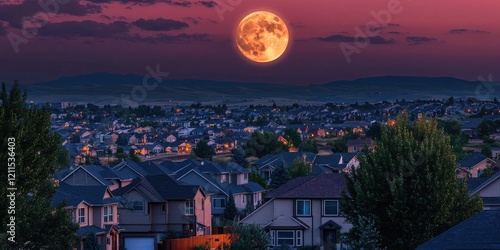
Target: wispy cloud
[(338, 38), (464, 31)]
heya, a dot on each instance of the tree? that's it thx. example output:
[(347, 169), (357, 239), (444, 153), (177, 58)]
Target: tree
[(132, 155), (374, 131), (453, 128), (230, 211), (486, 150), (300, 167), (293, 137), (63, 158), (309, 146), (363, 236), (249, 237), (261, 144), (408, 185), (75, 138), (203, 150), (30, 150), (254, 176), (486, 127), (279, 176), (121, 140), (238, 156), (90, 242)]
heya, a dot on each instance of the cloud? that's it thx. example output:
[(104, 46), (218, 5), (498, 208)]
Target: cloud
[(85, 28), (181, 3), (418, 40), (338, 38), (208, 4), (463, 31), (14, 13), (2, 29), (165, 38), (160, 24), (394, 32)]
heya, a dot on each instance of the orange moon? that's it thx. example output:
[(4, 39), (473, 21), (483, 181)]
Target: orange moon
[(262, 36)]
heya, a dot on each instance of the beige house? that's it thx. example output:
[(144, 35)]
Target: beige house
[(488, 190), (304, 212), (153, 205), (474, 164)]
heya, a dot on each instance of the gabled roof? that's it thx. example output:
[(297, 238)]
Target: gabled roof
[(162, 186), (480, 231), (91, 195), (142, 168), (202, 175), (286, 157), (472, 160), (100, 173), (250, 187), (325, 185), (485, 183)]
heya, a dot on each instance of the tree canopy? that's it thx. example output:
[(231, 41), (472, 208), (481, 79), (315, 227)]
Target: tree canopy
[(300, 168), (407, 186), (38, 225), (279, 176), (261, 144), (203, 150)]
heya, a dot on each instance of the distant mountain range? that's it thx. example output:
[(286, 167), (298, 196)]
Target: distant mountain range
[(102, 88)]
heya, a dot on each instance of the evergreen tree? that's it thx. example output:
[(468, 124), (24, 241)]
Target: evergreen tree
[(238, 156), (254, 176), (203, 150), (293, 137), (121, 140), (279, 176), (230, 211), (364, 236), (486, 150), (90, 242), (133, 156), (408, 185), (261, 144), (300, 168), (249, 237), (30, 147)]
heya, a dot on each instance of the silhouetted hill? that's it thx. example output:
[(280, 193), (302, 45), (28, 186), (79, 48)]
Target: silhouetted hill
[(106, 87)]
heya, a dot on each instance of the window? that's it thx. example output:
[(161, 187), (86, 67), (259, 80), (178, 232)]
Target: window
[(108, 214), (354, 148), (189, 208), (219, 202), (223, 178), (245, 176), (81, 215), (138, 205), (284, 238), (243, 199), (163, 207), (273, 238), (298, 238), (330, 207), (303, 207)]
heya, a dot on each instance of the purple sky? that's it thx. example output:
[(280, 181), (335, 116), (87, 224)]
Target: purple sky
[(193, 39)]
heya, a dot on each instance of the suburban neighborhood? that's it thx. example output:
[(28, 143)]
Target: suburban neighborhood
[(136, 177)]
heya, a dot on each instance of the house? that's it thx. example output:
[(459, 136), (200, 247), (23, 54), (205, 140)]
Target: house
[(152, 205), (488, 189), (336, 162), (268, 163), (480, 231), (495, 153), (94, 209), (219, 181), (475, 163), (304, 212), (357, 145)]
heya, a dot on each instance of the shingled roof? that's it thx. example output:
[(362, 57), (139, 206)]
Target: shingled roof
[(480, 231), (325, 185)]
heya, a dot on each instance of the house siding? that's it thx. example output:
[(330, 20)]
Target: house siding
[(81, 178)]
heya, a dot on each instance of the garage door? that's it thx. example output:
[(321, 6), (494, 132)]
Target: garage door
[(140, 243)]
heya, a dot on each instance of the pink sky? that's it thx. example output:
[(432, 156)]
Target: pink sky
[(420, 41)]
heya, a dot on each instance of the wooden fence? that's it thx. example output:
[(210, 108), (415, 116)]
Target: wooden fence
[(211, 241)]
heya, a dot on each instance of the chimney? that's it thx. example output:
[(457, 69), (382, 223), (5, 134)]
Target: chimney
[(341, 161)]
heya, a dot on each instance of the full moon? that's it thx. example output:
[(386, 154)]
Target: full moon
[(262, 36)]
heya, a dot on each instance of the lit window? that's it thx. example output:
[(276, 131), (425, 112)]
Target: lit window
[(81, 215), (108, 214), (330, 207), (189, 210), (303, 207)]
